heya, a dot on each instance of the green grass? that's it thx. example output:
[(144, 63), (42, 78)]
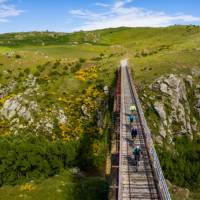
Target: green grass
[(72, 51), (151, 67), (64, 186)]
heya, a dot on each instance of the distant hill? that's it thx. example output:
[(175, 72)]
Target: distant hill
[(53, 91)]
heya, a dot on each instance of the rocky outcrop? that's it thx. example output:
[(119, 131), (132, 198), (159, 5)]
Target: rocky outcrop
[(5, 90), (198, 106), (23, 111), (197, 97), (62, 119), (159, 107), (15, 107), (174, 107), (85, 110)]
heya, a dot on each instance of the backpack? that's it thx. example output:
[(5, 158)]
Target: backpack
[(131, 118), (137, 151), (134, 131)]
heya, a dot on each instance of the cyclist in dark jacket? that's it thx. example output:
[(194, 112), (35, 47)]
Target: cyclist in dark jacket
[(137, 152), (134, 132)]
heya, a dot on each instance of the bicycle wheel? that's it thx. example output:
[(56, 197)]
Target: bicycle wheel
[(136, 163)]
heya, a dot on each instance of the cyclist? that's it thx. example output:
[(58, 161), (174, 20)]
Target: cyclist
[(132, 108), (131, 118), (137, 152), (134, 132)]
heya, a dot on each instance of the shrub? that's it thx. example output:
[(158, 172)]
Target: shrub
[(27, 71), (76, 67), (82, 60), (32, 157), (17, 56), (182, 167)]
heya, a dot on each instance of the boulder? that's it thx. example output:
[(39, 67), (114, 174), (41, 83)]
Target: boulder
[(10, 107), (85, 110), (62, 119), (106, 90)]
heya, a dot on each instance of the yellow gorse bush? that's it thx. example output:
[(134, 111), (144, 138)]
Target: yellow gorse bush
[(87, 74), (74, 128), (3, 100), (27, 187)]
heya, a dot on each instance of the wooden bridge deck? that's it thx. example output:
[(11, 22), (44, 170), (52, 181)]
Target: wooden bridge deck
[(148, 182), (140, 184)]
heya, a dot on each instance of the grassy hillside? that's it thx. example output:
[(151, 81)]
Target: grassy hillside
[(53, 86)]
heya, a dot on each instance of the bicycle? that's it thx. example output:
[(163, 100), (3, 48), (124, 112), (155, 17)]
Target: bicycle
[(137, 159)]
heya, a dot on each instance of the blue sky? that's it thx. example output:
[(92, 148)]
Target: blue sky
[(73, 15)]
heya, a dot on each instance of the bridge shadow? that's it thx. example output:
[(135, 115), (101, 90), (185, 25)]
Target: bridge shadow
[(131, 160), (130, 142), (128, 127), (115, 159)]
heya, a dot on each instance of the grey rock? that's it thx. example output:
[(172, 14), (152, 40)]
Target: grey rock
[(45, 125), (159, 108), (62, 119), (9, 108), (33, 106), (75, 170), (5, 90), (106, 90), (23, 112), (164, 88), (189, 80), (194, 124), (172, 81), (159, 140), (198, 106), (180, 111), (85, 110), (162, 131)]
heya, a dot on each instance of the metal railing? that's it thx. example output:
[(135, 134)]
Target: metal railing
[(159, 177), (120, 146)]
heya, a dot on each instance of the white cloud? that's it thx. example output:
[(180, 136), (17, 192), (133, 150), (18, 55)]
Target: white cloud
[(8, 10), (120, 14), (2, 1), (104, 5)]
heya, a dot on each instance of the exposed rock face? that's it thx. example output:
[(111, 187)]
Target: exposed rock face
[(162, 131), (163, 88), (197, 97), (5, 90), (189, 80), (174, 107), (198, 106), (23, 111), (159, 107), (45, 124), (14, 106)]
